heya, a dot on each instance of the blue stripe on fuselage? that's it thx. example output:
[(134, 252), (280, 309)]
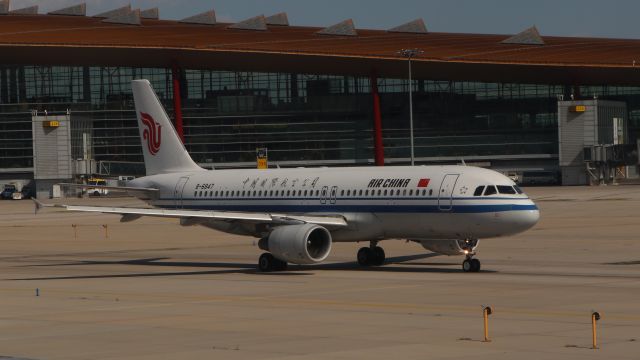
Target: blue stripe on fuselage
[(332, 208)]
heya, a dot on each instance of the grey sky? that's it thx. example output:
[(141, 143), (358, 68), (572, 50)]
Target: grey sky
[(613, 18)]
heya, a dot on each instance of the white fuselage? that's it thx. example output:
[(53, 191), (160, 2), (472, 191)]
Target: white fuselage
[(417, 203)]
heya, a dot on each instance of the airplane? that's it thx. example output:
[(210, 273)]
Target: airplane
[(298, 213)]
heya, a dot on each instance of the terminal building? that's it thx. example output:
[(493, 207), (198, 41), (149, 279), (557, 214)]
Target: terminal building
[(332, 96)]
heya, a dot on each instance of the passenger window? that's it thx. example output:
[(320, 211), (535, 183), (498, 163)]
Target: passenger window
[(411, 192), (490, 190), (404, 192), (195, 194), (504, 189), (424, 192), (360, 193), (478, 191), (430, 192), (517, 189), (385, 193), (348, 192), (379, 192)]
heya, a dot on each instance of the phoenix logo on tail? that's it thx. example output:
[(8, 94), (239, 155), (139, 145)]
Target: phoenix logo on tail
[(152, 134)]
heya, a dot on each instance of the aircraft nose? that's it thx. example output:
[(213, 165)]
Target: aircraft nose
[(528, 218)]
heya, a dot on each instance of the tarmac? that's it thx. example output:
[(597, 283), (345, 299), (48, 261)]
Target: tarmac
[(151, 289)]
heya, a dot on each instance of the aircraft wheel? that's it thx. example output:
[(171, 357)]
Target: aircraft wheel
[(466, 265), (378, 256), (266, 262), (475, 265), (365, 256), (280, 265)]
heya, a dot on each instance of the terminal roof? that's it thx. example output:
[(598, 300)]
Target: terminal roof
[(76, 40)]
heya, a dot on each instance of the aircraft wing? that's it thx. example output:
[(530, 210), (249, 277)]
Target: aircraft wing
[(130, 214)]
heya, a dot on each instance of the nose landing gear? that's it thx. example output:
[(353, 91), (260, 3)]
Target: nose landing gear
[(468, 247), (471, 265)]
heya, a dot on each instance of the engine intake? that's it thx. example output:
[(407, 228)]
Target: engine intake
[(298, 244), (450, 247)]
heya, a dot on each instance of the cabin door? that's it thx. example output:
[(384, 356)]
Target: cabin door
[(178, 196), (445, 195)]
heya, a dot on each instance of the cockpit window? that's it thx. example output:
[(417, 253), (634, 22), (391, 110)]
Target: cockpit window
[(490, 190), (505, 189), (517, 189), (479, 190)]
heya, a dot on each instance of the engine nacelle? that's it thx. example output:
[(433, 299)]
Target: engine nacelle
[(298, 244), (451, 247)]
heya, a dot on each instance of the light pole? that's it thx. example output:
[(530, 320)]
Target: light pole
[(410, 53)]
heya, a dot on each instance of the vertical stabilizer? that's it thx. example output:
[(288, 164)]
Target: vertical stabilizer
[(163, 151)]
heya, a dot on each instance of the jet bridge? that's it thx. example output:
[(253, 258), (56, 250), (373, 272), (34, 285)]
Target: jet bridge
[(593, 140)]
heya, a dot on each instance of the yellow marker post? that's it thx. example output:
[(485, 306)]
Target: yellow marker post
[(486, 311), (595, 316)]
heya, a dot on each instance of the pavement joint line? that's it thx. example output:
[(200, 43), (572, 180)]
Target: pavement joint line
[(356, 304)]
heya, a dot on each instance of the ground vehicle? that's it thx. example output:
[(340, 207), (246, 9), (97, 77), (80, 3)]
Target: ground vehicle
[(540, 178), (7, 192), (513, 176), (97, 191)]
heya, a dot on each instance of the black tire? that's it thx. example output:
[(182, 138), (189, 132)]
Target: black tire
[(378, 256), (365, 256), (475, 265), (266, 262), (96, 193), (280, 265), (467, 266)]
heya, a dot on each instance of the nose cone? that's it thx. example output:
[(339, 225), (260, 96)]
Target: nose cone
[(526, 219)]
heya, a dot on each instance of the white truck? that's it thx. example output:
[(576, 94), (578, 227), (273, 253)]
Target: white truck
[(97, 191)]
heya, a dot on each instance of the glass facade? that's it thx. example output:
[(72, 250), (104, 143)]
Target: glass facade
[(301, 119)]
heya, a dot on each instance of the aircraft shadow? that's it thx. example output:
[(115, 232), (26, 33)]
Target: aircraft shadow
[(392, 264)]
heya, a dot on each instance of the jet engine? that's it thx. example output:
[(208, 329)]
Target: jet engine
[(451, 247), (298, 244)]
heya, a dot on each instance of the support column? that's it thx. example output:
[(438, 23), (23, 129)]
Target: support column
[(86, 84), (22, 85), (177, 101), (13, 85), (4, 86), (377, 122)]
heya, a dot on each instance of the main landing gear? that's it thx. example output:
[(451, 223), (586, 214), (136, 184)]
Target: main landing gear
[(267, 263), (372, 255), (471, 265)]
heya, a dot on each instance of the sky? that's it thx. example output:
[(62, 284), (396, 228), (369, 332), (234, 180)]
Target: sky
[(590, 18)]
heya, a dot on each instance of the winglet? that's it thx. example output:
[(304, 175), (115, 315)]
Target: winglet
[(39, 205)]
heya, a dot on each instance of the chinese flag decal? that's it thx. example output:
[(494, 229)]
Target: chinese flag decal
[(423, 183)]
